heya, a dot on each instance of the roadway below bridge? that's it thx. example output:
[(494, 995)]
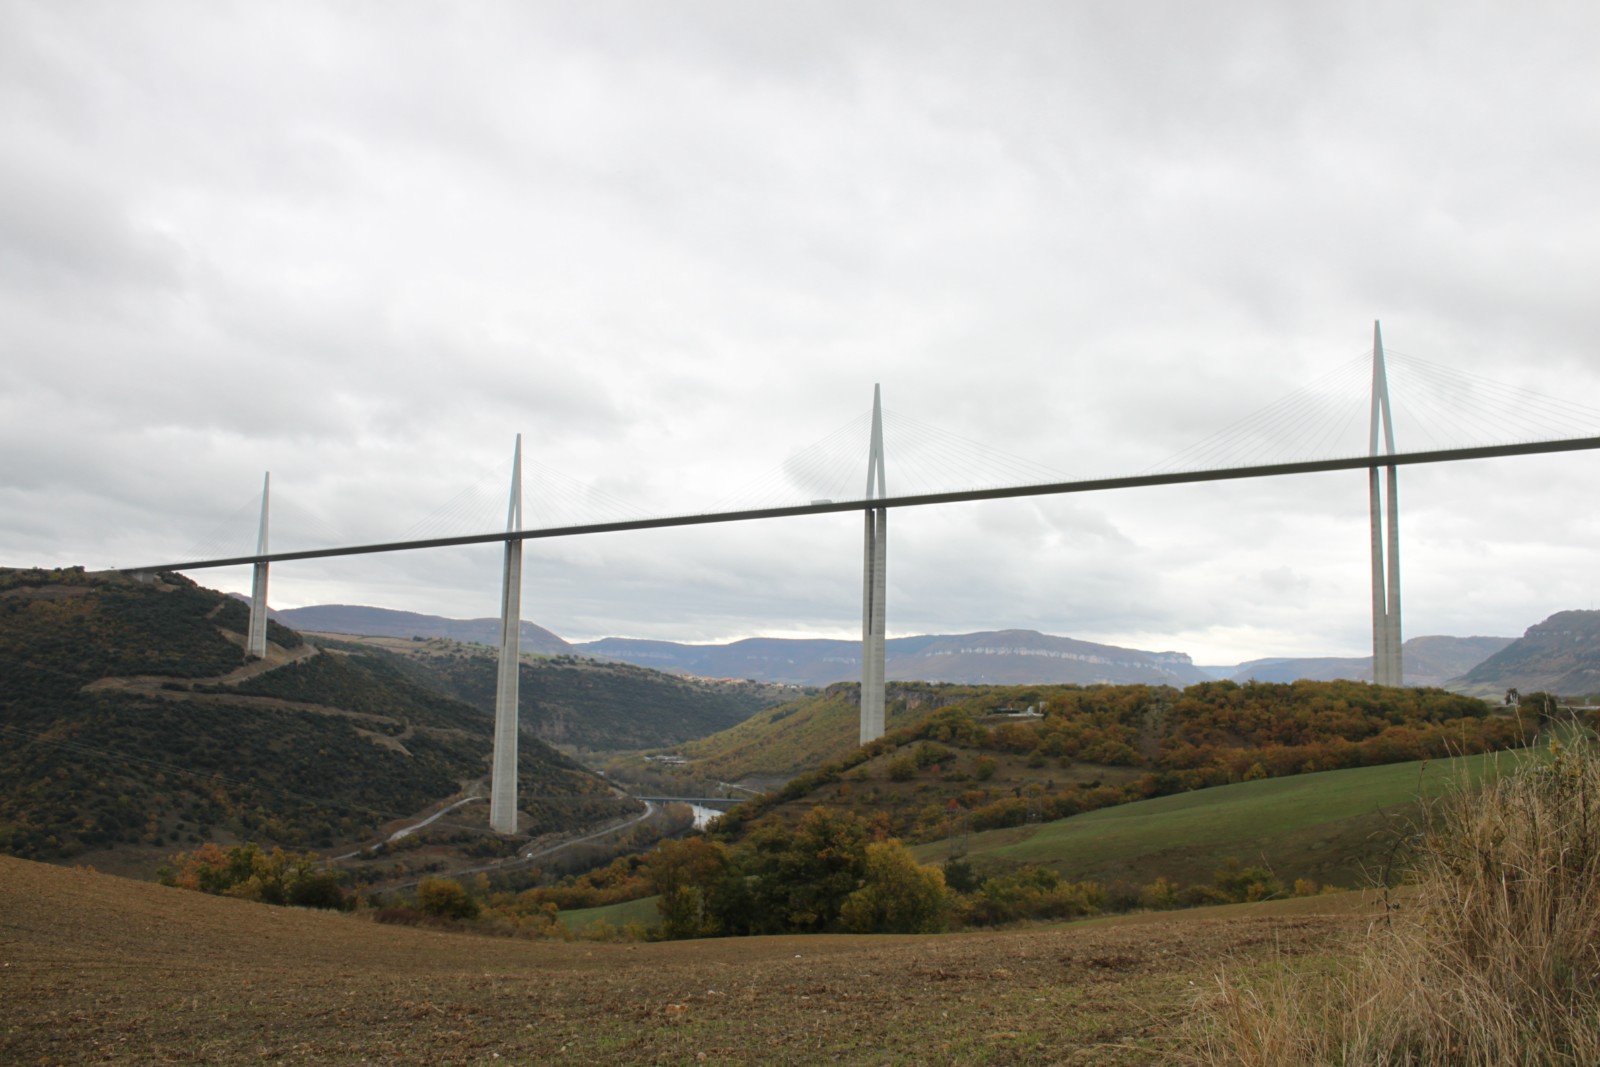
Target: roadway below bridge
[(704, 802)]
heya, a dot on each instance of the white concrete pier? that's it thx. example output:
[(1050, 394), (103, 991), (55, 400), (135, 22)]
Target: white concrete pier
[(256, 637), (503, 783), (1387, 668), (874, 584)]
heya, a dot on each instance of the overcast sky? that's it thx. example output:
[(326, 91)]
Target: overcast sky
[(364, 245)]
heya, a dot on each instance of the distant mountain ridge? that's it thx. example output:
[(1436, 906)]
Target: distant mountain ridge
[(1433, 660), (387, 622), (991, 657), (997, 657)]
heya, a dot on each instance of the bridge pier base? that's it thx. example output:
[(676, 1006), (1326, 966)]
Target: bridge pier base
[(503, 773), (255, 643)]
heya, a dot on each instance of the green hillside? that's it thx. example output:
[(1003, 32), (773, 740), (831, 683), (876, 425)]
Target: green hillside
[(982, 762), (643, 911), (1335, 827), (590, 705), (131, 718), (1197, 733)]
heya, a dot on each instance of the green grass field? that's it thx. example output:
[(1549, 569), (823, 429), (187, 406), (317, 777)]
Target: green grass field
[(1336, 827), (629, 911)]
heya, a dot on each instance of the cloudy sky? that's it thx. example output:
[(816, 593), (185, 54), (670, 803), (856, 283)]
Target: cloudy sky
[(364, 245)]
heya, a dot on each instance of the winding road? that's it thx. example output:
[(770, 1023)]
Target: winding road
[(412, 828)]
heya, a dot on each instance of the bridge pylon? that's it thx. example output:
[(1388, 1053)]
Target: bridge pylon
[(874, 583), (503, 779), (1387, 668), (256, 635)]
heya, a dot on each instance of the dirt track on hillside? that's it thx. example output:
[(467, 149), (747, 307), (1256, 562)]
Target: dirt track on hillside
[(96, 969)]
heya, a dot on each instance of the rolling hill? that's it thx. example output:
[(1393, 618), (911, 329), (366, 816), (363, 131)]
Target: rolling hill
[(981, 755), (1156, 795), (132, 720), (1335, 827), (1155, 727), (1559, 655)]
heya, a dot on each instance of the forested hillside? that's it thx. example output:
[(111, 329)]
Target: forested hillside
[(592, 705), (131, 717)]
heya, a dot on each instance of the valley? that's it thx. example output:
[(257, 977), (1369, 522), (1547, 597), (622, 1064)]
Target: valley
[(604, 929)]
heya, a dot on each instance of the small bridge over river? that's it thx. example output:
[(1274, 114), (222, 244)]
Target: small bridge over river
[(719, 803)]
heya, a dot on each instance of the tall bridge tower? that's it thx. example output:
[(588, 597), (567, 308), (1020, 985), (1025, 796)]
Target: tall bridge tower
[(874, 583), (503, 779), (1386, 666)]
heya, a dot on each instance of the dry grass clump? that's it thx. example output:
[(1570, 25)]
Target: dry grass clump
[(1496, 961)]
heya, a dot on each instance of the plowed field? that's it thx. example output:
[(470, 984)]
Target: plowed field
[(97, 969)]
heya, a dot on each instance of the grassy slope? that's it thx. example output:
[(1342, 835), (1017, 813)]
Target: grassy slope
[(775, 742), (1330, 826), (642, 911), (811, 731)]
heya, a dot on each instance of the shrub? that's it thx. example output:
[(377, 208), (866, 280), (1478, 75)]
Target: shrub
[(1160, 895), (446, 899), (1033, 893), (1236, 884), (320, 890), (898, 896), (960, 877)]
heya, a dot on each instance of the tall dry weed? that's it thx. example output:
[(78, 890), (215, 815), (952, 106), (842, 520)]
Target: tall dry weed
[(1496, 961)]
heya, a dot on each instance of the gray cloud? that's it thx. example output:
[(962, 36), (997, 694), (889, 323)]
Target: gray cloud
[(363, 246)]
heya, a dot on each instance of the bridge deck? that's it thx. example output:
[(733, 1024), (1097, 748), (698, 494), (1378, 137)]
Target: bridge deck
[(1270, 470)]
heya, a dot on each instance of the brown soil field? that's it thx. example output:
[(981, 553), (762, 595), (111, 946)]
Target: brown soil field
[(99, 969)]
